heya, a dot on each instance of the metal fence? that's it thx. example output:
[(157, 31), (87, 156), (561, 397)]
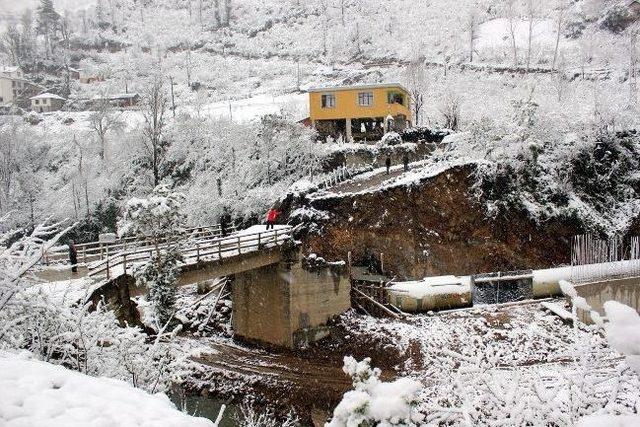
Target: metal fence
[(594, 259)]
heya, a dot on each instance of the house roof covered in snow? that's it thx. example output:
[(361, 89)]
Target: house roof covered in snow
[(356, 87), (48, 95), (9, 69)]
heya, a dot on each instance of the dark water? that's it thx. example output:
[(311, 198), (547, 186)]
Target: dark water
[(206, 407)]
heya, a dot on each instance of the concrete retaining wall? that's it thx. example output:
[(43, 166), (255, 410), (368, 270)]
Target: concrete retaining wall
[(288, 305), (625, 291)]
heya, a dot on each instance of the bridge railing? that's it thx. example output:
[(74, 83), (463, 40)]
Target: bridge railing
[(210, 249), (92, 251)]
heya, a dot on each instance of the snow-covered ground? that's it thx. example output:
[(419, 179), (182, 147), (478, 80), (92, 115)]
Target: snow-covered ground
[(39, 394), (509, 365), (295, 105)]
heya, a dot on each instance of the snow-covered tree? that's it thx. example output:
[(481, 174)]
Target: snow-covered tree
[(159, 218), (48, 24), (104, 120)]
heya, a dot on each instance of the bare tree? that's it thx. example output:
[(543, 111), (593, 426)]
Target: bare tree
[(227, 12), (561, 82), (633, 68), (561, 12), (81, 180), (216, 13), (471, 24), (102, 121), (511, 17), (155, 105), (532, 10), (450, 110), (188, 65), (417, 85)]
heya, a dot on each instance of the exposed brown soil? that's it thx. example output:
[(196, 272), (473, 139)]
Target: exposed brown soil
[(311, 380), (435, 227)]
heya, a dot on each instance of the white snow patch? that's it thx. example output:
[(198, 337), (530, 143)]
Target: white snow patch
[(39, 394)]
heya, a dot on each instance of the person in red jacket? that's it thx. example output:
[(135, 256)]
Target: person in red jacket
[(272, 216)]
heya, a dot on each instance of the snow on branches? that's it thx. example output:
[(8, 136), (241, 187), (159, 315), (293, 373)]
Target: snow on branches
[(155, 217), (159, 218), (373, 402)]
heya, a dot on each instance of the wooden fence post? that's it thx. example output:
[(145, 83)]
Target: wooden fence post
[(84, 254), (219, 249), (197, 252), (124, 262), (239, 250)]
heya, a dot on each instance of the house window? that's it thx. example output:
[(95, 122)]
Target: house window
[(365, 99), (329, 100), (395, 98)]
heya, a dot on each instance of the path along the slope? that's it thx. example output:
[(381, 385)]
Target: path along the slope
[(371, 179)]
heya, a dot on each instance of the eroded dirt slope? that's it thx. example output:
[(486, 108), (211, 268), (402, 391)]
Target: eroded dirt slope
[(433, 227)]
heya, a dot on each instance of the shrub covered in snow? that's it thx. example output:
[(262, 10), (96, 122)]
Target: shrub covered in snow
[(530, 163), (376, 403), (391, 138)]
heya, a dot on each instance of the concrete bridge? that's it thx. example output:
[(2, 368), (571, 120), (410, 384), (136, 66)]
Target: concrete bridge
[(277, 300)]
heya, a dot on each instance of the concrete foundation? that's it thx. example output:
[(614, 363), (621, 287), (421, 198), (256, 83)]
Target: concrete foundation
[(625, 291), (288, 305)]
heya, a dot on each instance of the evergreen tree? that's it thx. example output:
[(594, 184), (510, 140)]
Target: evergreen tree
[(48, 24)]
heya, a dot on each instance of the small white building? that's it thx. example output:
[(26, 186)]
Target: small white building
[(14, 87), (46, 102)]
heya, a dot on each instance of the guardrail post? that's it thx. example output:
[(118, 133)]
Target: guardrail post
[(197, 252), (276, 235), (259, 234), (107, 255), (84, 254), (219, 249), (239, 250), (124, 262), (101, 251)]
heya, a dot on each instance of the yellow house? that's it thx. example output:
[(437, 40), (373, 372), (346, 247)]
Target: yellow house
[(363, 112)]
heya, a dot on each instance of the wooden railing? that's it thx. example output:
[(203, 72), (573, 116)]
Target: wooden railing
[(207, 249), (92, 251)]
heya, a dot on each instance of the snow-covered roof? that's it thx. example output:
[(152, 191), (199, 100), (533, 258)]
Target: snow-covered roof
[(355, 87), (123, 96), (9, 69), (48, 95)]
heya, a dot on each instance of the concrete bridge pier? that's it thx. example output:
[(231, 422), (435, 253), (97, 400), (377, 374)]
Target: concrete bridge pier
[(288, 304)]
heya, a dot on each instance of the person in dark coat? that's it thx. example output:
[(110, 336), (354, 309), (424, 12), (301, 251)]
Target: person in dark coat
[(225, 220), (405, 161), (73, 256), (388, 164)]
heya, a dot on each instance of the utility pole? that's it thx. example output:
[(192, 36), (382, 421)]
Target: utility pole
[(173, 100)]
